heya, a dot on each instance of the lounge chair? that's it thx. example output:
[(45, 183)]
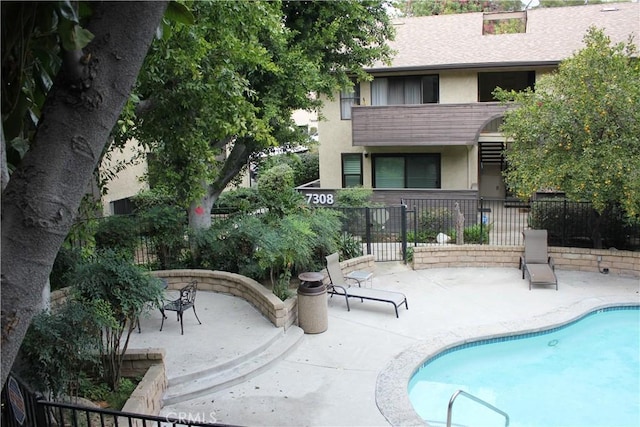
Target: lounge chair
[(339, 286), (536, 260)]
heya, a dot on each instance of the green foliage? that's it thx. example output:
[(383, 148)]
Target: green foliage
[(579, 132), (148, 199), (32, 36), (228, 246), (124, 289), (410, 251), (275, 188), (349, 246), (308, 169), (119, 233), (58, 345), (233, 79), (117, 398), (165, 230), (63, 267), (354, 197), (282, 246), (305, 166), (239, 200), (432, 222), (579, 225), (447, 7), (97, 391), (264, 246), (475, 234)]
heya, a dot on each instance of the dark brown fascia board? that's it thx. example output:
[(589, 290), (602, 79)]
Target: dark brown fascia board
[(464, 66)]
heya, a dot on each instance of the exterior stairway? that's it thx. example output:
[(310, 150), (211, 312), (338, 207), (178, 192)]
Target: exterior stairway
[(232, 372)]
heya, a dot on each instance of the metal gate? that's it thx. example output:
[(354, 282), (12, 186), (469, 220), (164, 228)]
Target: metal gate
[(382, 231)]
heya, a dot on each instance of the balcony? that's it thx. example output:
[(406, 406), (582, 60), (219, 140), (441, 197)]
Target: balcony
[(421, 124)]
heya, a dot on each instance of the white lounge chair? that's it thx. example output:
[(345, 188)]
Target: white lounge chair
[(338, 286)]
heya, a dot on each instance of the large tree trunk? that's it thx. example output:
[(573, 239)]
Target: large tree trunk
[(43, 195), (200, 210)]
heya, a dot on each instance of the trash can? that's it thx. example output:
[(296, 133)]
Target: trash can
[(312, 303)]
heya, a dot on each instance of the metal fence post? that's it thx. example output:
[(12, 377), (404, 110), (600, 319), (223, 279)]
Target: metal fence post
[(403, 228), (367, 231), (481, 220)]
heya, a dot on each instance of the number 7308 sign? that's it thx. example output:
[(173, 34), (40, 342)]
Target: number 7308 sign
[(319, 199)]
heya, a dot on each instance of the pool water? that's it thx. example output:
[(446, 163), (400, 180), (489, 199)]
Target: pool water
[(586, 374)]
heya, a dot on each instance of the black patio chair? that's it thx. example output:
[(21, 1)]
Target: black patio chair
[(186, 301)]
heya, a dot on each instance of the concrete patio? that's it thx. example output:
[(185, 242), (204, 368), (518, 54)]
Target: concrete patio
[(356, 372)]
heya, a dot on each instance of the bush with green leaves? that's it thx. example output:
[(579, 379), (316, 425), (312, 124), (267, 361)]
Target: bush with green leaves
[(434, 221), (354, 197), (276, 192), (164, 228), (349, 246), (280, 247), (305, 166), (475, 234), (308, 169), (65, 263), (264, 246), (59, 346), (124, 290), (238, 200), (119, 233), (228, 246)]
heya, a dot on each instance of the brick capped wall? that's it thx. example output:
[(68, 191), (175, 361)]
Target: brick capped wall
[(623, 263)]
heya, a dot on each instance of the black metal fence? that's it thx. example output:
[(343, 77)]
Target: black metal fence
[(386, 232), (21, 407)]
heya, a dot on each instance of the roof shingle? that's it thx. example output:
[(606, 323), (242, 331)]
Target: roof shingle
[(553, 34)]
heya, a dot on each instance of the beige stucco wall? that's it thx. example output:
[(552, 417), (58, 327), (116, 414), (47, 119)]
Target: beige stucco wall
[(458, 87), (459, 165), (128, 182)]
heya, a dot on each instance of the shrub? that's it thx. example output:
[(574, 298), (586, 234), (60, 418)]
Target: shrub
[(432, 222), (474, 234), (58, 346), (228, 246), (308, 169), (349, 246), (123, 290), (238, 200), (119, 233), (66, 261), (354, 197), (165, 228)]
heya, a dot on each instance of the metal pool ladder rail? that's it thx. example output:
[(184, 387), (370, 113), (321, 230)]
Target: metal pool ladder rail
[(475, 399)]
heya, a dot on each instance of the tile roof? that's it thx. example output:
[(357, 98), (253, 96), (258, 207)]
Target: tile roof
[(553, 34)]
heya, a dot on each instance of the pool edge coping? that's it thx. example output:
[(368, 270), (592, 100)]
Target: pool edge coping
[(392, 396)]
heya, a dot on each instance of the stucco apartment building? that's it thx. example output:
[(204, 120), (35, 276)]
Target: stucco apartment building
[(426, 126)]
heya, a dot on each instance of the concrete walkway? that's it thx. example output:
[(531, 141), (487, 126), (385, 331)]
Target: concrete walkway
[(350, 374)]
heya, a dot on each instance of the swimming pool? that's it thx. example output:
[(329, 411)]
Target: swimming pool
[(586, 373)]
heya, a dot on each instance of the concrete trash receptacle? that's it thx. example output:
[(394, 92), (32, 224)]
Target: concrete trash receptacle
[(312, 307)]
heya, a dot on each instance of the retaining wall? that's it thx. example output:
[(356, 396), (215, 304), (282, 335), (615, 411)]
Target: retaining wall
[(622, 263), (281, 313), (147, 397)]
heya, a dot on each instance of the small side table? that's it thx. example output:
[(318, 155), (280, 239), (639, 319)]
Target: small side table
[(361, 276)]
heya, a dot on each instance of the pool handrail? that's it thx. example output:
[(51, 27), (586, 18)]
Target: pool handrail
[(477, 400)]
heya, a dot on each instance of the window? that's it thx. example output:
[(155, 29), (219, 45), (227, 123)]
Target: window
[(348, 98), (351, 170), (122, 207), (406, 171), (405, 90), (514, 80)]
